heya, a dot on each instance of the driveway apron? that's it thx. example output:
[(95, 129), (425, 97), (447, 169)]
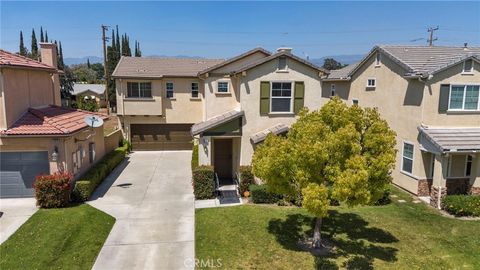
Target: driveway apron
[(151, 196)]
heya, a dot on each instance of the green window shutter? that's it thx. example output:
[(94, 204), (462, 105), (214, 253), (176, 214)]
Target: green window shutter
[(444, 95), (264, 98), (299, 94)]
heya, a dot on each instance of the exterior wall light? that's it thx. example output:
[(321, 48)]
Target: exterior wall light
[(55, 154)]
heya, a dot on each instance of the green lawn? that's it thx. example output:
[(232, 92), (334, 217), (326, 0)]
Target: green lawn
[(65, 238), (395, 236)]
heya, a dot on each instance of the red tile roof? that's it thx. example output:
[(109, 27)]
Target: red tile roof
[(14, 60), (49, 120)]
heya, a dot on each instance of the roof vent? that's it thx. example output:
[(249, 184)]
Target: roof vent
[(284, 49)]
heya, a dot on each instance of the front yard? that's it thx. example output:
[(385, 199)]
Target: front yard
[(63, 238), (396, 236)]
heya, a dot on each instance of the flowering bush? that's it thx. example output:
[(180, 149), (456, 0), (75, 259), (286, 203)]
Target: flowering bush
[(462, 205), (53, 191)]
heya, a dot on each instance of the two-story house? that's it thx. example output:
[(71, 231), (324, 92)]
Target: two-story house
[(37, 136), (228, 105), (430, 97)]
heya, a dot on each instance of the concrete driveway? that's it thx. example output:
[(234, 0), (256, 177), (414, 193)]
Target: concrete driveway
[(14, 213), (151, 197)]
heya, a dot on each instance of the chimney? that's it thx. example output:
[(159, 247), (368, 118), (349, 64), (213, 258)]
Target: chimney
[(465, 46), (284, 49), (48, 51)]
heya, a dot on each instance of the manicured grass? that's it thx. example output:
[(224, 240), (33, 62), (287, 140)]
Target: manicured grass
[(395, 236), (65, 238)]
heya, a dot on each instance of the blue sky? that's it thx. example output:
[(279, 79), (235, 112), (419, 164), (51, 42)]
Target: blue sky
[(223, 29)]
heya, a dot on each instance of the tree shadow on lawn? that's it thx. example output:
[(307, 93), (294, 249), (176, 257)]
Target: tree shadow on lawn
[(349, 233)]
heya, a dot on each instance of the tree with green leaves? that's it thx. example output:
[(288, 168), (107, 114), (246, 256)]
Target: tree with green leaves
[(46, 36), (83, 73), (332, 64), (41, 35), (88, 63), (22, 49), (99, 71), (138, 52), (87, 103), (336, 153), (60, 54), (34, 46)]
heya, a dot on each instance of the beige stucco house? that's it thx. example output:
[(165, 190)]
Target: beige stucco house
[(430, 97), (37, 136)]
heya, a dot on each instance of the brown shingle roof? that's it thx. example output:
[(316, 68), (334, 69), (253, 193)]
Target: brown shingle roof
[(8, 59), (233, 59), (49, 120), (157, 67)]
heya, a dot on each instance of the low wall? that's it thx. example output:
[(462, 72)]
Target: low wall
[(112, 140)]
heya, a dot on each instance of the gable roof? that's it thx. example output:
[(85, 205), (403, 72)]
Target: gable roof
[(49, 120), (8, 59), (233, 59), (423, 60), (157, 67), (215, 121), (79, 88), (278, 54)]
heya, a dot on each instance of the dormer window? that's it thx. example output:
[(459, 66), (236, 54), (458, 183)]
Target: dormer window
[(282, 63), (468, 66), (377, 59)]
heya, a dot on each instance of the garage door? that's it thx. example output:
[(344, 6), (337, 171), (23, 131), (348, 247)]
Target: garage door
[(161, 137), (18, 171)]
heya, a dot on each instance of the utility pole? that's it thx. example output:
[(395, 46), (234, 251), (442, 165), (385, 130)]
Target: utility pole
[(431, 39), (105, 69)]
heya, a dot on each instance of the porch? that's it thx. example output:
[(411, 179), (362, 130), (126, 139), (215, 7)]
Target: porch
[(455, 162)]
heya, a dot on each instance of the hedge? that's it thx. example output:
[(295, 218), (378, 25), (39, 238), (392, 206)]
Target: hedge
[(462, 205), (53, 191), (203, 182), (246, 178), (260, 194), (86, 185)]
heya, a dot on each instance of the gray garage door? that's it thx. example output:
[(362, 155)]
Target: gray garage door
[(161, 136), (18, 171)]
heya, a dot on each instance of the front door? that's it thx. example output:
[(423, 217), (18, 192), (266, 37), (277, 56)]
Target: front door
[(223, 158)]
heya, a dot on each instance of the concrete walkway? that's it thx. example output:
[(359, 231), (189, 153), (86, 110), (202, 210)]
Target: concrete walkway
[(151, 197), (15, 212)]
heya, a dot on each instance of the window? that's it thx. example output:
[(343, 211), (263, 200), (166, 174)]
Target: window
[(169, 89), (332, 90), (464, 97), (282, 63), (139, 89), (222, 87), (377, 59), (407, 159), (281, 100), (468, 165), (468, 66), (371, 82), (355, 102), (91, 152), (194, 90)]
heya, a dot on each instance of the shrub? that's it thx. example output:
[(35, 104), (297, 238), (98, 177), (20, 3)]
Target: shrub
[(385, 199), (203, 182), (462, 205), (53, 191), (246, 178), (86, 185), (195, 156), (260, 194)]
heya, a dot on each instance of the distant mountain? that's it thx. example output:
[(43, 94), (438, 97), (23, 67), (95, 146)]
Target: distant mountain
[(82, 60), (173, 56), (344, 59)]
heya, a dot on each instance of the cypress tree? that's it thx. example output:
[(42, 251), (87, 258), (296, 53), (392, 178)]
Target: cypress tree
[(138, 53), (46, 36), (62, 64), (118, 48), (114, 46), (22, 50), (41, 35), (34, 49), (129, 50), (88, 62)]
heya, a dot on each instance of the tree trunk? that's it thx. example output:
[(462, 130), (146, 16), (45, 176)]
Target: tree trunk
[(316, 243)]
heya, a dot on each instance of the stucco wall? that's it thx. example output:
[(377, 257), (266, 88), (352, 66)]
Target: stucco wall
[(24, 88), (342, 90), (218, 103)]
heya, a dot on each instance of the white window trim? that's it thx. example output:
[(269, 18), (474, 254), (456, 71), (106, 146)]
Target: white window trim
[(333, 90), (355, 99), (374, 82), (469, 72), (464, 95), (173, 90), (291, 97), (228, 87), (198, 90), (139, 97), (403, 156)]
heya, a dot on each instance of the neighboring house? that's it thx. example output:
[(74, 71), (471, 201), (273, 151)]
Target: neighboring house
[(91, 91), (430, 97), (233, 105), (37, 136)]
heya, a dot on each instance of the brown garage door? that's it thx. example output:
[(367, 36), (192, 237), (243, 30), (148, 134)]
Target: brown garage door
[(161, 137)]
